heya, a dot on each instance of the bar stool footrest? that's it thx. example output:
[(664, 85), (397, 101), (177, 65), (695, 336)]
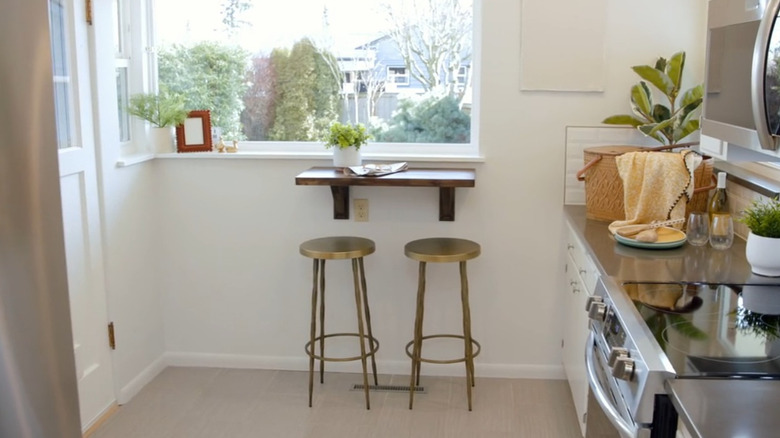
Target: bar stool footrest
[(374, 346), (445, 361)]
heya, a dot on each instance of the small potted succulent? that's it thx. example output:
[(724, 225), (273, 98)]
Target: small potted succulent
[(666, 124), (164, 111), (346, 141), (763, 243)]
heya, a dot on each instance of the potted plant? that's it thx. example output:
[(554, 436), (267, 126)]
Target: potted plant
[(164, 111), (763, 243), (346, 141), (667, 124)]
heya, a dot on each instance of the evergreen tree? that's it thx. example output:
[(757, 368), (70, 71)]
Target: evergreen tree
[(430, 118), (307, 93), (210, 76)]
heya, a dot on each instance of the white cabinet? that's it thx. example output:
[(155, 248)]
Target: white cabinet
[(581, 277)]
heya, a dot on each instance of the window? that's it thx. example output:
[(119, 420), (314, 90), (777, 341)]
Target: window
[(61, 68), (245, 61), (397, 75)]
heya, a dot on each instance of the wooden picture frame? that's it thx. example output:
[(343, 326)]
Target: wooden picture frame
[(194, 135)]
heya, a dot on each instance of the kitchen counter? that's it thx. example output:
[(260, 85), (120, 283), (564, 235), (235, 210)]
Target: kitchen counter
[(727, 408), (708, 407), (686, 263)]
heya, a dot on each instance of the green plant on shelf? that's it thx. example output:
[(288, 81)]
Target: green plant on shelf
[(161, 110)]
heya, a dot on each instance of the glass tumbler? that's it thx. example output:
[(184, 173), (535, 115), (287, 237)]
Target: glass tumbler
[(698, 228), (721, 231)]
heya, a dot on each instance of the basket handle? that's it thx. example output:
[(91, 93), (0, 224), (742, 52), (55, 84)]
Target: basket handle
[(672, 146), (581, 172), (713, 184), (591, 163)]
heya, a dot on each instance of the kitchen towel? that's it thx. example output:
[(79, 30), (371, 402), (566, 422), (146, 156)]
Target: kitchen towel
[(656, 185)]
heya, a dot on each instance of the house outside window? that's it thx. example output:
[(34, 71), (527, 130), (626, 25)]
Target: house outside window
[(355, 81)]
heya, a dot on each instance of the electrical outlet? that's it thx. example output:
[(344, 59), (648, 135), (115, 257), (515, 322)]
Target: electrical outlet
[(361, 210)]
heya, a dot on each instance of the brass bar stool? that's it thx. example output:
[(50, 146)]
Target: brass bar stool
[(442, 250), (340, 248)]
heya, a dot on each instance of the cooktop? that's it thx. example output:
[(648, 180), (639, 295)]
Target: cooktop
[(713, 330)]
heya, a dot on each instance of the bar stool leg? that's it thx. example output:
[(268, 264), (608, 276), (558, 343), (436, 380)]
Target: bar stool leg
[(464, 293), (418, 323), (322, 321), (368, 317), (313, 327), (361, 334)]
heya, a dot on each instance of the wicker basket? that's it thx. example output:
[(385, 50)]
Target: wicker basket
[(604, 188)]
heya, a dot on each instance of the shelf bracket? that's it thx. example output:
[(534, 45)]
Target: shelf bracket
[(340, 201), (447, 203)]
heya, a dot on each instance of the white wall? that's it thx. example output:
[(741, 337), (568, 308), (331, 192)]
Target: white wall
[(130, 233), (236, 292)]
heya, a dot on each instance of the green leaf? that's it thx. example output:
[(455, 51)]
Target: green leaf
[(675, 68), (661, 113), (656, 77), (623, 119), (648, 130), (686, 129), (694, 95), (660, 64), (641, 99)]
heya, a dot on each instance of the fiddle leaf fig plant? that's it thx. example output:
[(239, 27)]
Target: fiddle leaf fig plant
[(667, 122)]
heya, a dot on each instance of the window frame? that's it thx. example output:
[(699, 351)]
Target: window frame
[(144, 79), (392, 76)]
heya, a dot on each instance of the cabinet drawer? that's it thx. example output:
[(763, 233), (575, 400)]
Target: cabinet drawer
[(583, 264)]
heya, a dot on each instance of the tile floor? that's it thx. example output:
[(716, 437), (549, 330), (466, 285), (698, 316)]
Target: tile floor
[(235, 403)]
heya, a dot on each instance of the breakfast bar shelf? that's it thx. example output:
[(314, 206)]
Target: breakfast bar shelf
[(445, 179)]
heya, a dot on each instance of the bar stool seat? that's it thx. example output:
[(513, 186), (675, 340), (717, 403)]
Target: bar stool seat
[(442, 250), (340, 248)]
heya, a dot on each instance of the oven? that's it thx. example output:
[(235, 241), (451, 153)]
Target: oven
[(642, 333), (625, 370)]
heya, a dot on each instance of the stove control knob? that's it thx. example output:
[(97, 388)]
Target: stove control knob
[(591, 300), (597, 311), (615, 353), (624, 369)]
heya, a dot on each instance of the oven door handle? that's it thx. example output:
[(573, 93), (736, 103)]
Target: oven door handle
[(614, 417)]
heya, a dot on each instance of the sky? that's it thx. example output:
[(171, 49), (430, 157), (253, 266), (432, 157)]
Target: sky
[(275, 22)]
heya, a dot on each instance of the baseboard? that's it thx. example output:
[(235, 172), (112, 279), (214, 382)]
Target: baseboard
[(510, 371), (131, 389)]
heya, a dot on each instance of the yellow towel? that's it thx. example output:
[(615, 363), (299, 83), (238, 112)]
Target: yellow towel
[(656, 185)]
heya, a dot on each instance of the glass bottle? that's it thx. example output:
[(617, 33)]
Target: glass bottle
[(719, 203)]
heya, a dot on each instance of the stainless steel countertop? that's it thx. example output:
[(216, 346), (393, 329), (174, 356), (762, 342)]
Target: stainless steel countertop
[(727, 408), (708, 407), (686, 263)]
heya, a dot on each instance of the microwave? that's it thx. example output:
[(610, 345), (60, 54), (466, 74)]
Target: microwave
[(742, 78)]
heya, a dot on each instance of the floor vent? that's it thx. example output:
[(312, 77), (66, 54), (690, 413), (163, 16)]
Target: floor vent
[(388, 388)]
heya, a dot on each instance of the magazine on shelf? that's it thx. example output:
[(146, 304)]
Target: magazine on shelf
[(378, 169)]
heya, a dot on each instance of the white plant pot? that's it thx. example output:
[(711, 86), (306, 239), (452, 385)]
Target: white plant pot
[(346, 157), (162, 140), (763, 255)]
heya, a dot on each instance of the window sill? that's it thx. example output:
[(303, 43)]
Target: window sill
[(252, 155), (131, 160)]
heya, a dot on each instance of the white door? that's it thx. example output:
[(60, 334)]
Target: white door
[(80, 208)]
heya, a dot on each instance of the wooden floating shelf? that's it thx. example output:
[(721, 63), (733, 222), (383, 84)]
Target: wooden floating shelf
[(445, 179)]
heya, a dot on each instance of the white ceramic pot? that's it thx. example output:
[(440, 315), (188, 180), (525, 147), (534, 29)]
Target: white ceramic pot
[(346, 157), (763, 254), (162, 140)]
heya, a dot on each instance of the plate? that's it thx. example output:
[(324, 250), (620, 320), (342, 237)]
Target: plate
[(667, 238)]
